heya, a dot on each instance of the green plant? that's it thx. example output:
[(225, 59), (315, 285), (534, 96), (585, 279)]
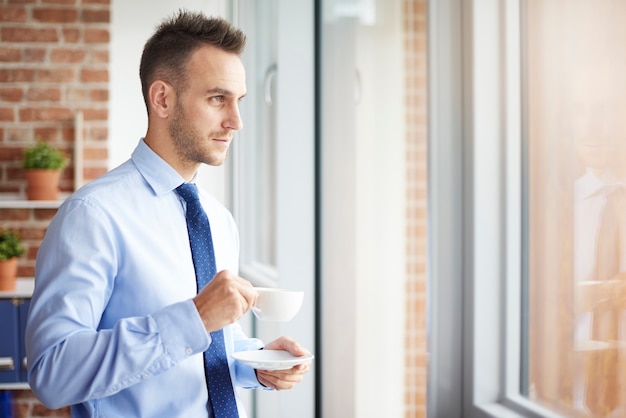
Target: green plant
[(10, 245), (43, 156)]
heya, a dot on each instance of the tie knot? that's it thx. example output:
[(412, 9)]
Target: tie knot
[(189, 192)]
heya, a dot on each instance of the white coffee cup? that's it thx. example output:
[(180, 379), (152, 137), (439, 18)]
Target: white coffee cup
[(277, 304)]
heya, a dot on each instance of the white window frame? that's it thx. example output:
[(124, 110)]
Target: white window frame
[(476, 218), (248, 162), (294, 158)]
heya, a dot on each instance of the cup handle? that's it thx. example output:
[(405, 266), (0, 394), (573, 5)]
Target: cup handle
[(256, 311)]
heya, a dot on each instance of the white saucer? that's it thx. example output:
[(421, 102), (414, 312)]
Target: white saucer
[(270, 359)]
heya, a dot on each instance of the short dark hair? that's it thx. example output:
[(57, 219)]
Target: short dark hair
[(166, 53)]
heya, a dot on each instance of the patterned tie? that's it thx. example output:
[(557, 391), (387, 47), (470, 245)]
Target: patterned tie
[(221, 395)]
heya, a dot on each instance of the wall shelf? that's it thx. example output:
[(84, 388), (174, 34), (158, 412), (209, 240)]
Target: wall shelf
[(8, 201), (23, 289)]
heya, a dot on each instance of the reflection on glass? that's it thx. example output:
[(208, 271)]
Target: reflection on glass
[(576, 66), (257, 156)]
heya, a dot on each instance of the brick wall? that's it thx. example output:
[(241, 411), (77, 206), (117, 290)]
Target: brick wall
[(54, 57), (54, 63), (415, 24)]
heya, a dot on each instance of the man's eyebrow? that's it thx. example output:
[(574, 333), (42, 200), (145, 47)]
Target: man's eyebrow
[(223, 92)]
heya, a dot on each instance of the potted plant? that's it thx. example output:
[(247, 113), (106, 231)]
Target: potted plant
[(10, 249), (43, 165)]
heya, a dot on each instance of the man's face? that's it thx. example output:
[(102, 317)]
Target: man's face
[(206, 114)]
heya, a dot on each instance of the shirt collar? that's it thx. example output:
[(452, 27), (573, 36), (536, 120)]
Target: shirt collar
[(159, 175)]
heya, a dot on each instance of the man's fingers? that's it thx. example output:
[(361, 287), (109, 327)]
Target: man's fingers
[(279, 379)]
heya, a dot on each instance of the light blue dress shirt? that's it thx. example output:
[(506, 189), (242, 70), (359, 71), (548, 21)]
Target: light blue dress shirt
[(112, 329)]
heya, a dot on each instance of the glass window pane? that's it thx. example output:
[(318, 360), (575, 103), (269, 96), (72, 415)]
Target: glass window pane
[(256, 157), (576, 206)]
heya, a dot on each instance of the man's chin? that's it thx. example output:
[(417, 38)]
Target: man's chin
[(215, 161)]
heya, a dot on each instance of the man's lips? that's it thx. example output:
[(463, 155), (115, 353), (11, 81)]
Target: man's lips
[(222, 142)]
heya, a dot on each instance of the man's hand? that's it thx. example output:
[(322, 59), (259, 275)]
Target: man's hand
[(224, 300), (284, 379)]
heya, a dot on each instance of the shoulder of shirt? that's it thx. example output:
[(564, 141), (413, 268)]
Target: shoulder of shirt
[(113, 184)]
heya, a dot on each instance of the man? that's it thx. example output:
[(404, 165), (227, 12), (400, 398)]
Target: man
[(117, 326)]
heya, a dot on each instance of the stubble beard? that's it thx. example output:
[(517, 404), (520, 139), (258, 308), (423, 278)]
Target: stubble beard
[(188, 143)]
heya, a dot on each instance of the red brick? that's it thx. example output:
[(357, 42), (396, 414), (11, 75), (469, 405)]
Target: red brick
[(11, 153), (96, 1), (16, 173), (64, 75), (7, 114), (13, 14), (77, 94), (11, 94), (25, 271), (35, 55), (8, 54), (95, 154), (44, 95), (96, 16), (31, 254), (92, 173), (67, 133), (21, 1), (14, 215), (12, 75), (99, 134), (66, 55), (95, 114), (71, 35), (91, 76), (44, 214), (49, 133), (18, 134), (99, 95), (45, 114), (27, 34), (100, 57), (31, 232), (55, 15), (6, 187), (58, 1), (96, 36)]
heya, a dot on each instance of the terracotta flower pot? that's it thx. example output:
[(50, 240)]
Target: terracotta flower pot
[(8, 274), (42, 184)]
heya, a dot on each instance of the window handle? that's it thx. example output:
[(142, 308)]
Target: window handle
[(270, 74)]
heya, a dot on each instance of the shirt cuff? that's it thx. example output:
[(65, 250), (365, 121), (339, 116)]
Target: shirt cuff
[(246, 375), (181, 330)]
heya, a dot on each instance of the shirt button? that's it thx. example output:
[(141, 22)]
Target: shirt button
[(144, 375), (188, 351)]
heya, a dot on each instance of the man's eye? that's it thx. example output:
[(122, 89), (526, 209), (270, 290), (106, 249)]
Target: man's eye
[(216, 99)]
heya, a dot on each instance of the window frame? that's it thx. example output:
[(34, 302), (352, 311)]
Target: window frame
[(250, 163), (477, 221), (294, 187)]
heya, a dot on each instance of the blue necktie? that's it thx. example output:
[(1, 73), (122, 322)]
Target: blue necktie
[(221, 395)]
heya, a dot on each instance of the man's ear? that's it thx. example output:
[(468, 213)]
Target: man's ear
[(161, 98)]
